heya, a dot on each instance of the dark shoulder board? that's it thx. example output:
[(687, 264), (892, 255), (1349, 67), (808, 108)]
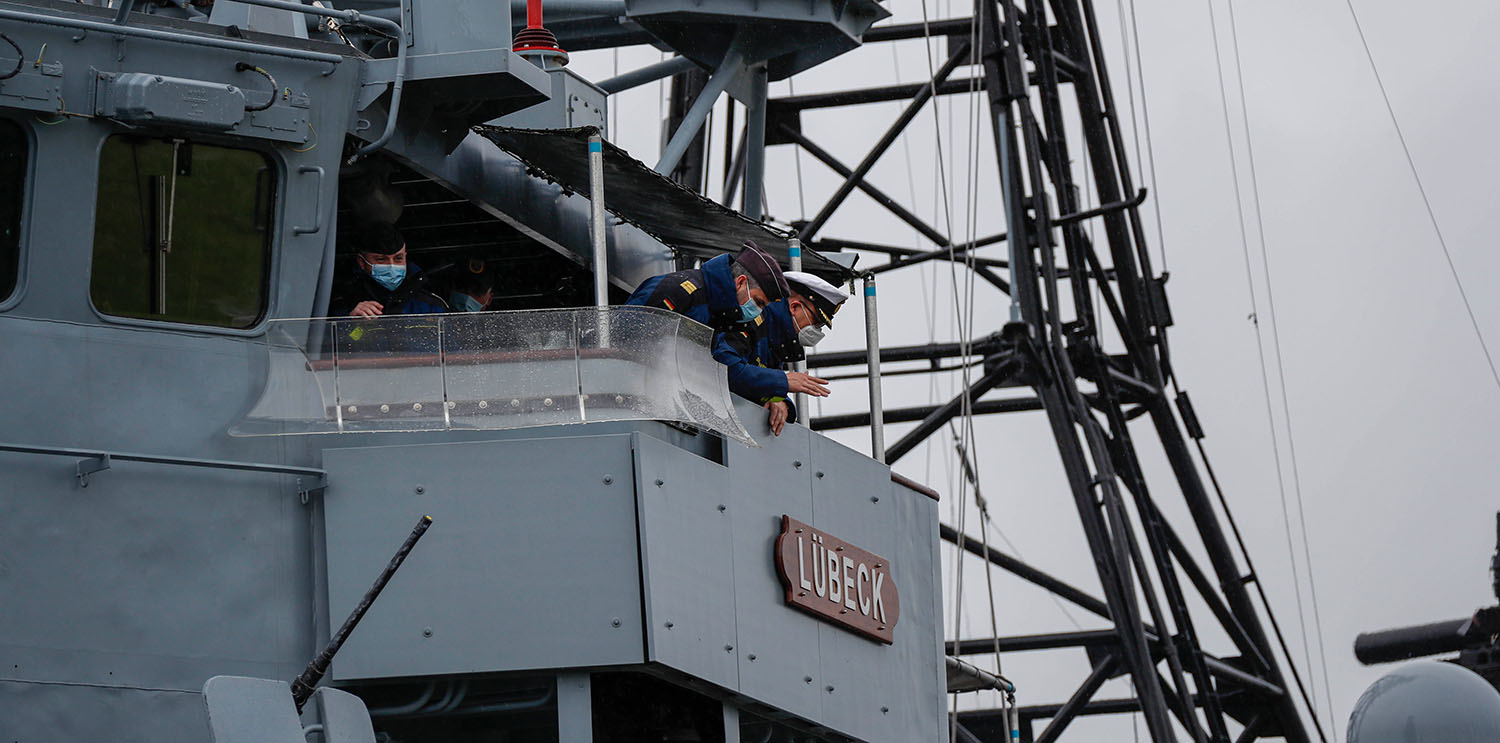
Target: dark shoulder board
[(678, 291)]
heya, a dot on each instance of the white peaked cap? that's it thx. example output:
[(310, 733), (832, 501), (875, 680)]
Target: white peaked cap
[(826, 297), (815, 286)]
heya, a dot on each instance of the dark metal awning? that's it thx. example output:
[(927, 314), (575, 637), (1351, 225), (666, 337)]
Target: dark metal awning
[(677, 216)]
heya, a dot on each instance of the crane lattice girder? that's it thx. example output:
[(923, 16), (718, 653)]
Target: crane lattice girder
[(1055, 273)]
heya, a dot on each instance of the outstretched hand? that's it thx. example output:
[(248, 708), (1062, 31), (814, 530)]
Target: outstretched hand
[(807, 384)]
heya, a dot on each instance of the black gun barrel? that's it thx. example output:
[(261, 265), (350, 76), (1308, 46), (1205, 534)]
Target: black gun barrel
[(302, 686), (1402, 643)]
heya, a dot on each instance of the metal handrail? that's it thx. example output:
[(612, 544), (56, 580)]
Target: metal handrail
[(163, 35), (93, 460)]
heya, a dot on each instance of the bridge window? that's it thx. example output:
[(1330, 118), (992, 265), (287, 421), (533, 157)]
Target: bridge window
[(182, 232), (13, 153)]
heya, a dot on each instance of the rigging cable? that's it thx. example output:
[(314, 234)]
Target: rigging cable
[(1140, 73), (988, 522), (929, 299), (965, 339), (1286, 410), (791, 89), (969, 436), (1431, 216), (960, 501), (1250, 566), (1261, 352)]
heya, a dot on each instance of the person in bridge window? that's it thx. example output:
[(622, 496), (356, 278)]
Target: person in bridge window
[(755, 356), (383, 282), (473, 287), (725, 294)]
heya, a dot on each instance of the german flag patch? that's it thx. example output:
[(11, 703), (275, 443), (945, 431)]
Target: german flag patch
[(669, 304)]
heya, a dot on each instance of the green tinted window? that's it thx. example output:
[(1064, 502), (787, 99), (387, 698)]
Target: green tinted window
[(12, 192), (182, 232)]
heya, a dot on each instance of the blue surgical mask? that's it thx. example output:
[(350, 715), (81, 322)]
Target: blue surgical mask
[(749, 311), (387, 275), (465, 303)]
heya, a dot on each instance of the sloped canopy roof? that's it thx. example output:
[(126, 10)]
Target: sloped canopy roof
[(634, 192)]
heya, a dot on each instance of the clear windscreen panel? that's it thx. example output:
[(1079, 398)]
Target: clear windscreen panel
[(490, 371)]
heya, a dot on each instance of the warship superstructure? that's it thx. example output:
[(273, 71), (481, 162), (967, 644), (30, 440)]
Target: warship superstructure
[(605, 560), (203, 472)]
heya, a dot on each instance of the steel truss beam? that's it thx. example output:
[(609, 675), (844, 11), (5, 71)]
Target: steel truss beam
[(1035, 62)]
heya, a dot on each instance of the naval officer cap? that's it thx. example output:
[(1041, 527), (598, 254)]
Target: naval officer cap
[(381, 238), (764, 269), (826, 298)]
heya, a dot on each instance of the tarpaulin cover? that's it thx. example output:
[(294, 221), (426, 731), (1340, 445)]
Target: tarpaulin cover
[(677, 216)]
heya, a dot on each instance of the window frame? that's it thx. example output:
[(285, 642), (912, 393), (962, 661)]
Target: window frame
[(18, 292), (277, 165)]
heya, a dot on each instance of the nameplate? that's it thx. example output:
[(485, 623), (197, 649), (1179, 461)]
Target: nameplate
[(836, 581)]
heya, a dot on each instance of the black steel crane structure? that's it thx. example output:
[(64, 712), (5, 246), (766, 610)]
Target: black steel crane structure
[(1036, 63), (1031, 57)]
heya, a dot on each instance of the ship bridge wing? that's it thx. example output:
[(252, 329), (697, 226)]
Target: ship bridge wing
[(675, 215), (490, 371)]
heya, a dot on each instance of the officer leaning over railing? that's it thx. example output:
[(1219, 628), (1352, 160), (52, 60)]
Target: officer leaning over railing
[(737, 295), (725, 294), (755, 355)]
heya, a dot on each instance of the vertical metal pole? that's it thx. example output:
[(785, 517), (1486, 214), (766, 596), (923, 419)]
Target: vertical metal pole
[(1013, 209), (755, 144), (794, 254), (601, 251), (575, 708), (596, 220), (872, 351), (1013, 720), (731, 723)]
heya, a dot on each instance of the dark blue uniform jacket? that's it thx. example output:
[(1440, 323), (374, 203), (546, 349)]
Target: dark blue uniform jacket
[(755, 355), (410, 297), (705, 294)]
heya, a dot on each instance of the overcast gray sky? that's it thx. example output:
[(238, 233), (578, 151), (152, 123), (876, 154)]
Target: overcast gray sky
[(1393, 410)]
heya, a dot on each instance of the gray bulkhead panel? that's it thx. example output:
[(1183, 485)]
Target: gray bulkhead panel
[(125, 596), (131, 592), (784, 642), (878, 691), (535, 561), (530, 562)]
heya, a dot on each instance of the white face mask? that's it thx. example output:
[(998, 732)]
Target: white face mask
[(810, 335)]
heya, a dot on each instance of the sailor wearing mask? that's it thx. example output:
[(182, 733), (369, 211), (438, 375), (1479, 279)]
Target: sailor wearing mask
[(725, 294), (384, 283), (755, 356), (473, 288)]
